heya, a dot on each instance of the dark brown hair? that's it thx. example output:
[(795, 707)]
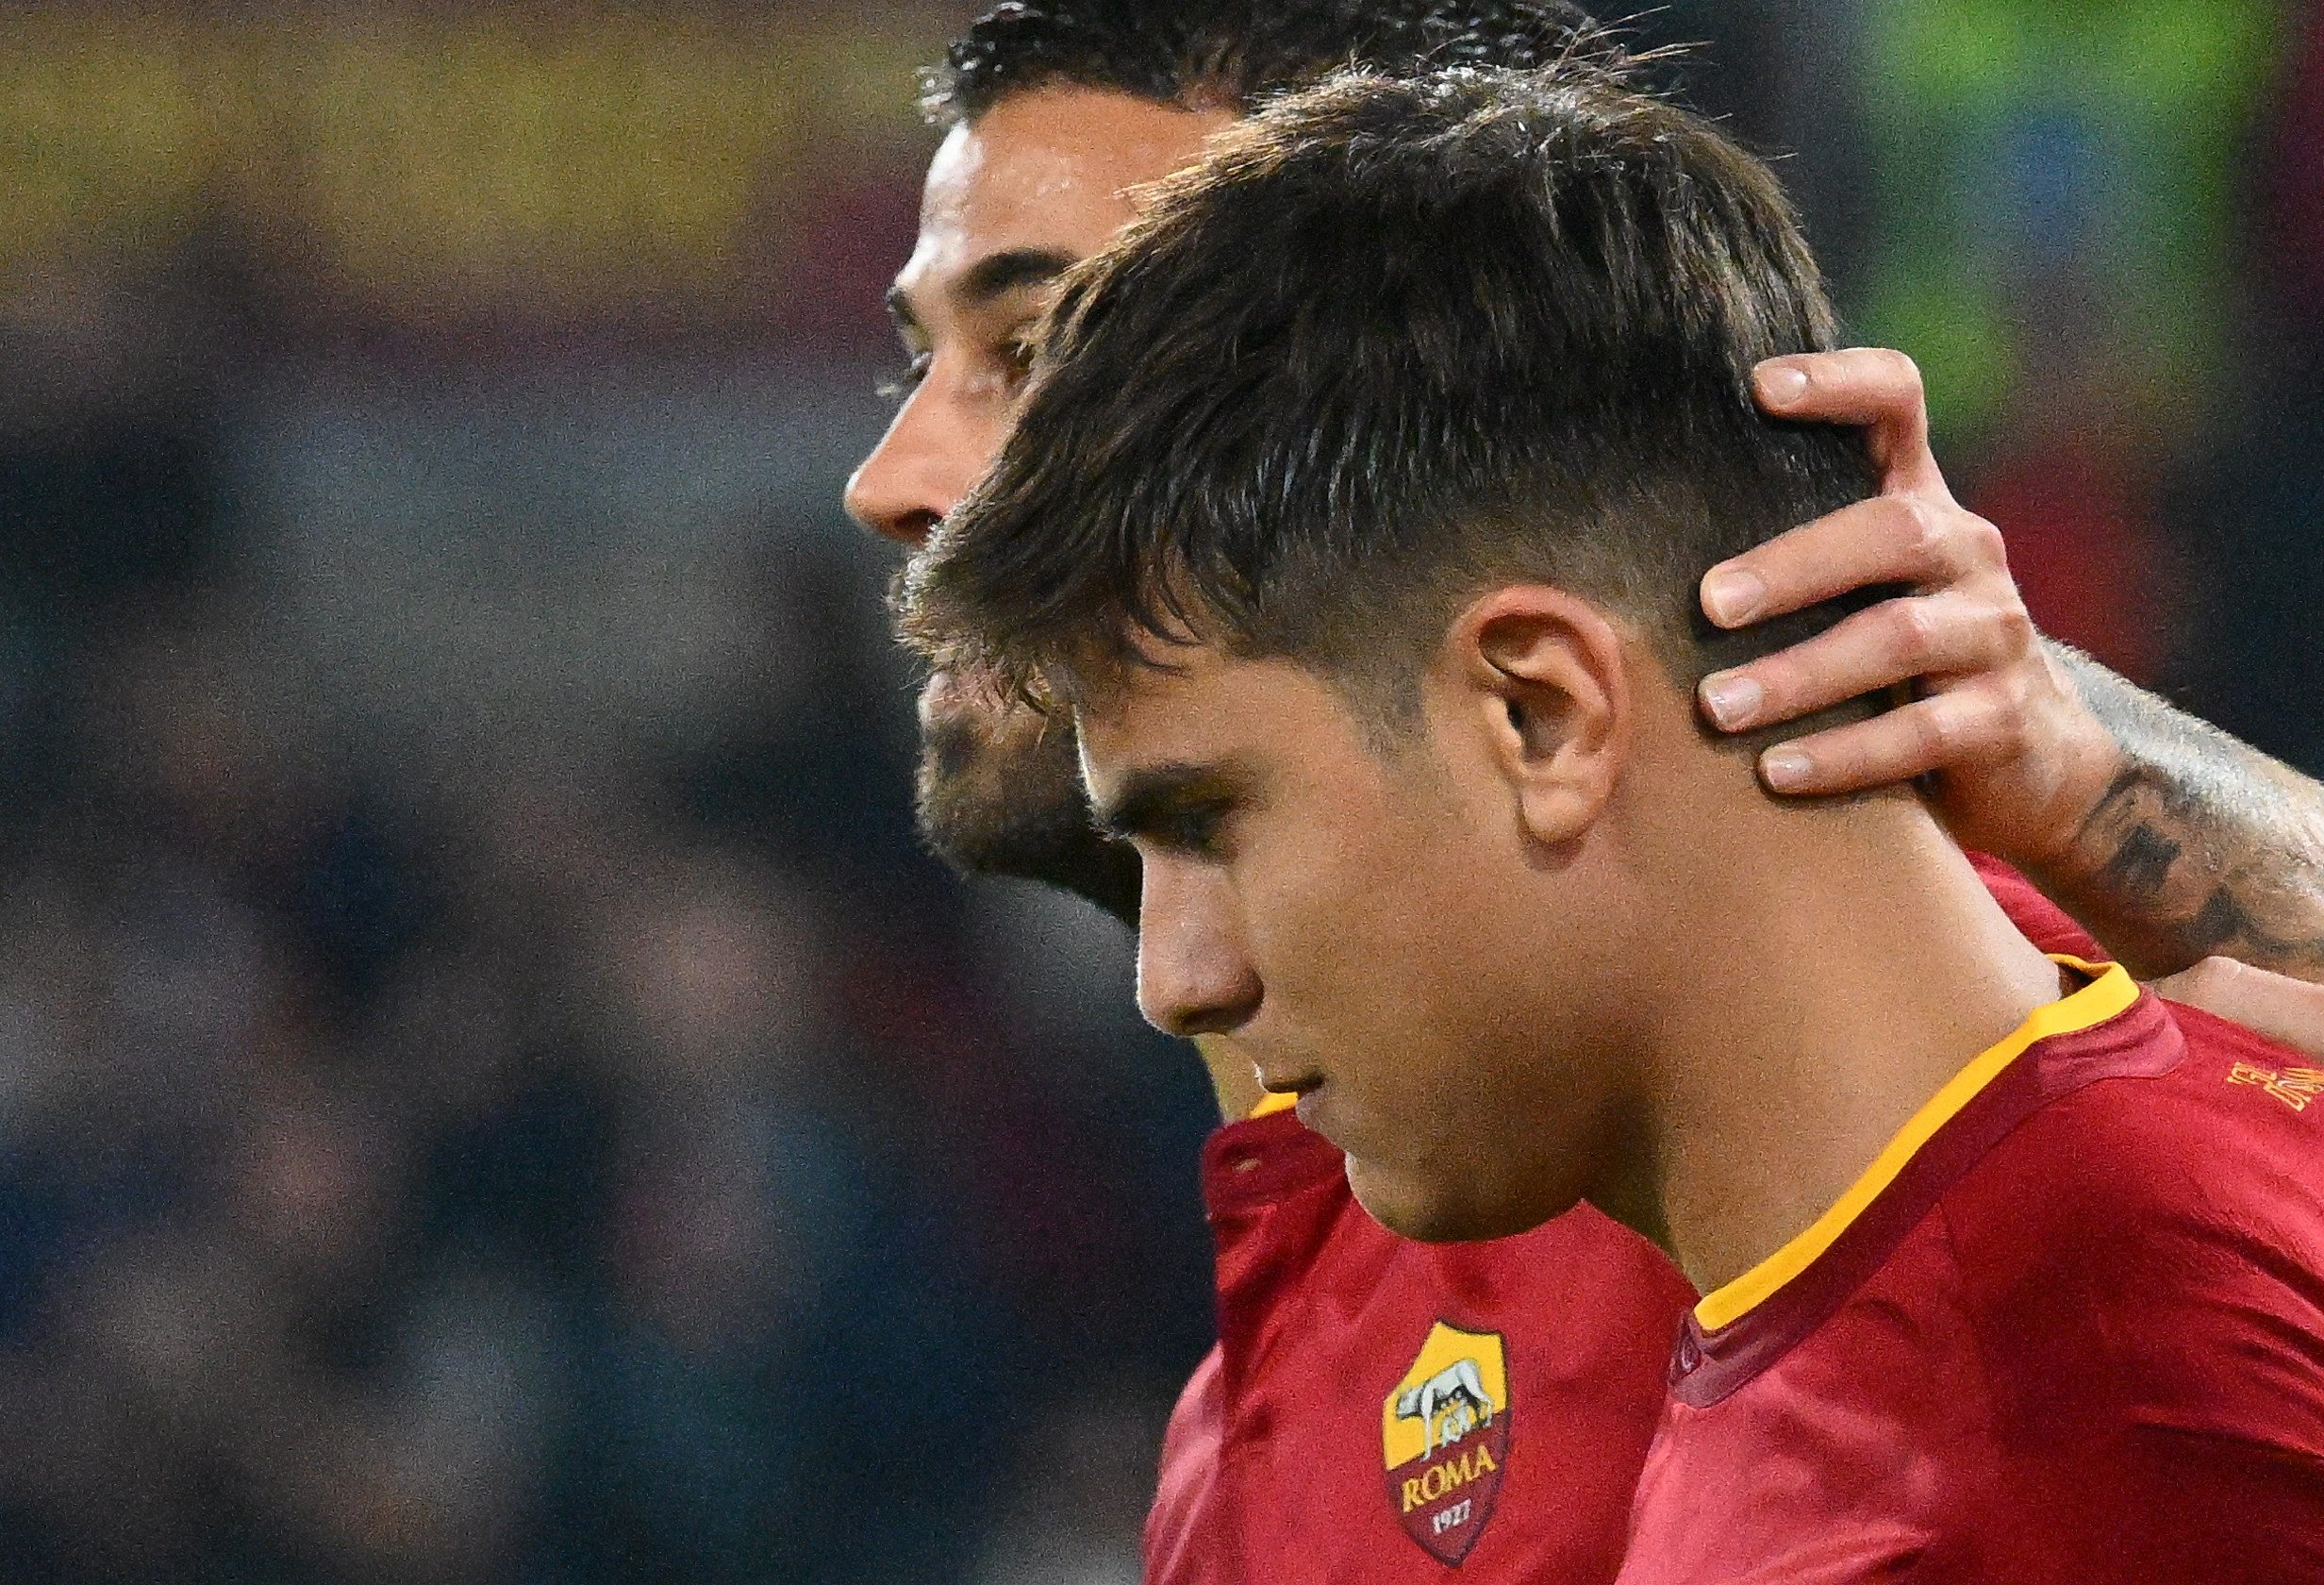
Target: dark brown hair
[(1392, 342), (1229, 54)]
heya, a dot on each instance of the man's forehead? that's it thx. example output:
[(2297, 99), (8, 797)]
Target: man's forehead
[(1203, 705), (1044, 170)]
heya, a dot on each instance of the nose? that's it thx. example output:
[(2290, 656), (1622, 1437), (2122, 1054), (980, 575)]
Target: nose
[(922, 466), (1193, 975)]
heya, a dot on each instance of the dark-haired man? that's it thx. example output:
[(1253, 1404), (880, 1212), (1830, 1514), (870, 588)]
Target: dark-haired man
[(1284, 1455), (1357, 511), (2171, 840)]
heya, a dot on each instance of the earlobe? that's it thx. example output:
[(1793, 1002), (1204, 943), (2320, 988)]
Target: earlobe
[(1546, 675)]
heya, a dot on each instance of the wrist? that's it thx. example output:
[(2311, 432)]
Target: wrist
[(2081, 760)]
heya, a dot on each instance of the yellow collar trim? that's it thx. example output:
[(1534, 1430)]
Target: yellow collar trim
[(1274, 1101), (2110, 991)]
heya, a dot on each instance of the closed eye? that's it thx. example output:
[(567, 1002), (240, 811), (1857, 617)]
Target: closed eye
[(1195, 829), (1179, 810)]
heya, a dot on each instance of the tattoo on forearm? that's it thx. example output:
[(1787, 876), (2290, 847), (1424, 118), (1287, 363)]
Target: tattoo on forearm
[(2202, 844), (2142, 863)]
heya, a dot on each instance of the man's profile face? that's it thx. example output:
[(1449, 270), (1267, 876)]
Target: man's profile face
[(1350, 915), (1012, 200)]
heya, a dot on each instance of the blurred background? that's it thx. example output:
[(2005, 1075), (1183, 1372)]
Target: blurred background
[(489, 1089)]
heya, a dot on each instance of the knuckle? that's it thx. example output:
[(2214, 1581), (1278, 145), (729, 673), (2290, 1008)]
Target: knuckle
[(1937, 735), (1916, 628), (1917, 527), (2005, 710), (1899, 367), (2017, 636), (1980, 723), (1981, 542), (1959, 730)]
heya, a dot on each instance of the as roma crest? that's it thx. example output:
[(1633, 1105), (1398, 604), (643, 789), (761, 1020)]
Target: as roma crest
[(1444, 1433)]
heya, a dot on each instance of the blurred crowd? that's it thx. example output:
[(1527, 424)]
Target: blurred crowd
[(490, 1087), (622, 1168)]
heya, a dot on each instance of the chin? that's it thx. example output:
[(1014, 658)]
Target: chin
[(1000, 793), (1427, 1213)]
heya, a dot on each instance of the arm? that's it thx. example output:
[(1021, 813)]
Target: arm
[(2199, 846), (2168, 838)]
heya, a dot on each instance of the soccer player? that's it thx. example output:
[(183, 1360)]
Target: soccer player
[(1283, 1449), (1357, 510)]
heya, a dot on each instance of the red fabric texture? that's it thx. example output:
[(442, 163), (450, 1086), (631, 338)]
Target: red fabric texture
[(1274, 1468), (2080, 1338)]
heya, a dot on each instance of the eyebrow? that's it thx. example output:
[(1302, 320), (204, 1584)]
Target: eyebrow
[(996, 274), (1154, 796), (990, 279)]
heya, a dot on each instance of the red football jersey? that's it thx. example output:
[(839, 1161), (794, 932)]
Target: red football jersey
[(2069, 1328), (1380, 1410)]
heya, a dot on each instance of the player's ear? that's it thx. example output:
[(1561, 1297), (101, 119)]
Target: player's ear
[(1543, 677)]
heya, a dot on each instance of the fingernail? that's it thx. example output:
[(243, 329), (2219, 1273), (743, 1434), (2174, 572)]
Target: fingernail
[(1732, 700), (1732, 598), (1781, 385), (1784, 768)]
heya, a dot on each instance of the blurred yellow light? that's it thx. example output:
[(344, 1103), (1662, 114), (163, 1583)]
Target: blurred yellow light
[(454, 161)]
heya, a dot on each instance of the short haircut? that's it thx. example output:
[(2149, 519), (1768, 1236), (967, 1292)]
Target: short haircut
[(1229, 53), (1391, 344)]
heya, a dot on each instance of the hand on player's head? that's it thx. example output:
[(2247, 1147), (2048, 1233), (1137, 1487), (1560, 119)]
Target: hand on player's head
[(1994, 712)]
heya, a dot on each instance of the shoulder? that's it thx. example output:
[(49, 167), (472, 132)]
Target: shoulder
[(2227, 1132), (2155, 1245), (1182, 1515)]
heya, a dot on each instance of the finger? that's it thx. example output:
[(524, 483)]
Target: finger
[(1891, 539), (1878, 648), (2290, 1011), (1873, 387), (1954, 728)]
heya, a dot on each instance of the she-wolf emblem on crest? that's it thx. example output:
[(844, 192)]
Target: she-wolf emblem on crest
[(1444, 1437)]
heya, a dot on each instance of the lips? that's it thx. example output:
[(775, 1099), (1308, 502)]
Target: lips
[(1305, 1085)]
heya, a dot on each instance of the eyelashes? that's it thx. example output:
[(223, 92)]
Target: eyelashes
[(895, 386), (1013, 356)]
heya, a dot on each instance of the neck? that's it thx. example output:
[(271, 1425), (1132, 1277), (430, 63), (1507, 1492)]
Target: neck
[(1838, 965)]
